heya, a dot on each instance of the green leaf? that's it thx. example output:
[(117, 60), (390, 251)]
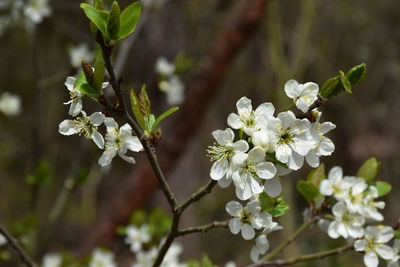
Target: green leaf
[(315, 176), (95, 16), (80, 79), (150, 122), (369, 169), (98, 77), (330, 88), (357, 73), (113, 24), (345, 82), (41, 175), (397, 233), (281, 208), (308, 190), (129, 19), (267, 203), (163, 116), (384, 188), (121, 231), (98, 4), (138, 218), (206, 262), (88, 90), (135, 106), (144, 102)]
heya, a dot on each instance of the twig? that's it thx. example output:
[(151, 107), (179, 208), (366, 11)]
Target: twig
[(198, 194), (202, 229), (21, 253), (308, 257), (150, 151), (291, 238)]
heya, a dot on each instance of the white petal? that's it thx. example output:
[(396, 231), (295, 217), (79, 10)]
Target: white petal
[(255, 187), (67, 127), (254, 254), (371, 259), (224, 182), (224, 137), (295, 161), (235, 121), (335, 173), (75, 108), (110, 123), (292, 89), (265, 109), (273, 187), (333, 230), (385, 234), (302, 104), (257, 154), (326, 147), (326, 127), (239, 159), (247, 232), (130, 160), (339, 209), (234, 208), (97, 118), (107, 157), (265, 170), (219, 169), (325, 188), (241, 146), (69, 83), (235, 225), (98, 139), (133, 143), (244, 106), (312, 159), (283, 152), (360, 245)]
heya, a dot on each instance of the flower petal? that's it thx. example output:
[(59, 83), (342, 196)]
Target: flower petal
[(244, 106), (98, 139), (235, 121), (219, 169), (273, 187), (234, 208), (224, 137), (248, 232), (265, 170)]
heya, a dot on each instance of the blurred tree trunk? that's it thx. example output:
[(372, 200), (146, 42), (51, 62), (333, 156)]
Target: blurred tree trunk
[(238, 27)]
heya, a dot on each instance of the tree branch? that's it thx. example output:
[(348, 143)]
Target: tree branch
[(291, 238), (202, 229), (308, 257), (196, 196), (19, 251)]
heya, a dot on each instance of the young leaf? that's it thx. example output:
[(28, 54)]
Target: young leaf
[(369, 169), (144, 101), (280, 209), (330, 88), (94, 15), (98, 4), (98, 77), (308, 190), (384, 188), (80, 79), (357, 73), (150, 122), (113, 24), (267, 203), (135, 106), (129, 18), (163, 116), (315, 176), (345, 82)]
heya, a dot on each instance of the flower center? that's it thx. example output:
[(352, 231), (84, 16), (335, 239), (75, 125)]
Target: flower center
[(245, 218), (219, 152), (285, 137)]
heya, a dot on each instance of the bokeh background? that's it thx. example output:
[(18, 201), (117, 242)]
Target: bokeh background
[(307, 40)]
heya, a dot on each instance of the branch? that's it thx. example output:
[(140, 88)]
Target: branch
[(196, 196), (308, 257), (150, 151), (202, 229), (291, 238), (21, 253)]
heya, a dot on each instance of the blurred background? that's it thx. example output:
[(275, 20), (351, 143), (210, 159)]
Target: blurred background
[(55, 197)]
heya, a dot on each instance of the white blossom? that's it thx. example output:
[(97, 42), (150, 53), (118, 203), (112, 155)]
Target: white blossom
[(248, 119), (137, 236), (80, 53), (222, 154), (118, 142), (76, 95), (335, 184), (374, 244), (248, 168), (304, 95), (52, 260), (147, 258), (355, 199), (370, 207), (346, 224), (174, 88), (102, 258), (324, 146), (36, 10), (164, 67), (230, 264), (84, 125), (10, 104), (260, 248), (246, 219), (290, 138)]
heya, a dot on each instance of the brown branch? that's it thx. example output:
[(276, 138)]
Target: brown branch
[(18, 250), (238, 27), (202, 229), (308, 257)]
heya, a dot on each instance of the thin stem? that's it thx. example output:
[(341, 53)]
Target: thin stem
[(291, 238), (21, 253), (201, 192), (308, 257), (202, 229), (150, 151)]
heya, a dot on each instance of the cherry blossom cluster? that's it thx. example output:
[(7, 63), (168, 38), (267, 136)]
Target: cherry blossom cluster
[(258, 148), (32, 12), (169, 83), (117, 140), (355, 208)]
